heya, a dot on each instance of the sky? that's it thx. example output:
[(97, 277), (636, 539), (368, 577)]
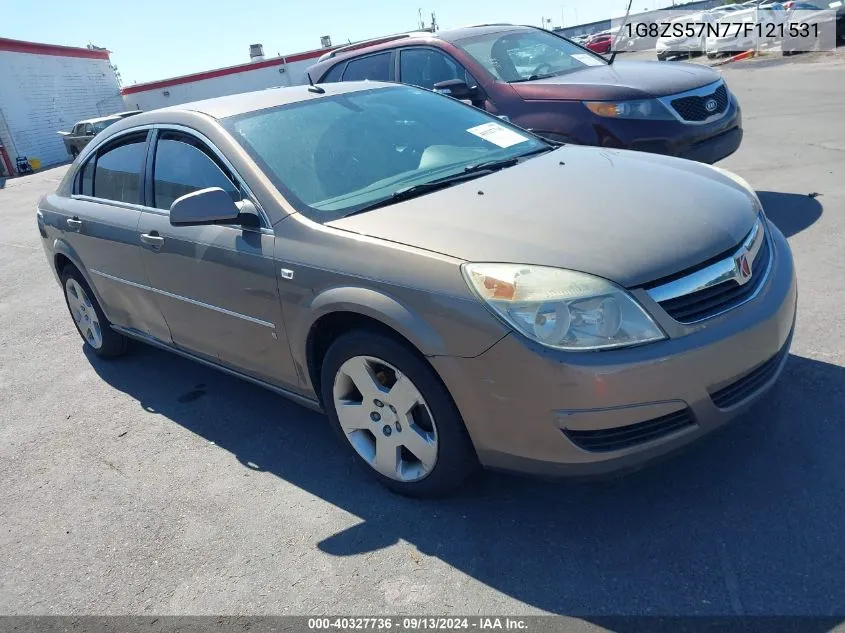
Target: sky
[(157, 39)]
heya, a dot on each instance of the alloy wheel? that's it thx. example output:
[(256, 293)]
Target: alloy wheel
[(83, 313), (385, 418)]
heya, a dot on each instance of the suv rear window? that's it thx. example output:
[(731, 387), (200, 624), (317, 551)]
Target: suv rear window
[(334, 74), (373, 67)]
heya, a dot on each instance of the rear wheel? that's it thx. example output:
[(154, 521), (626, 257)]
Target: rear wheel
[(74, 152), (395, 415), (88, 317)]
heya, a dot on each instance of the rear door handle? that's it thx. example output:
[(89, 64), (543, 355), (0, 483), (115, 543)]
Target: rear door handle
[(74, 224), (153, 240)]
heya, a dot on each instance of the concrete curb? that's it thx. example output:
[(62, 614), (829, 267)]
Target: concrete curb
[(735, 58)]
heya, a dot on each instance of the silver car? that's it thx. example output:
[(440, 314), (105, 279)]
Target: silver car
[(451, 290)]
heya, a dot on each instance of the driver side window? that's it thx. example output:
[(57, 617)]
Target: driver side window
[(182, 165), (425, 67)]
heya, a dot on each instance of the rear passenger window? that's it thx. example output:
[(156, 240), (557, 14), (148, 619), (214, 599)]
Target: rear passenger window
[(333, 75), (374, 67), (182, 167), (117, 173)]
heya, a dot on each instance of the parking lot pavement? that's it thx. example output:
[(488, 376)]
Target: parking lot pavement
[(154, 485)]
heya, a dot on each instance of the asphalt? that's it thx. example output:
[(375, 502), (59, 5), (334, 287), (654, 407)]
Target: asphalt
[(152, 485)]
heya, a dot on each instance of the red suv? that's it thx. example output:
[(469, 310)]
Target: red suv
[(551, 86)]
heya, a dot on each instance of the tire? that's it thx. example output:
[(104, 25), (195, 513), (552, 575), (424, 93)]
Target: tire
[(74, 152), (447, 457), (88, 317)]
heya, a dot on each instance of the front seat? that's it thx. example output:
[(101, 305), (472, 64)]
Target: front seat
[(502, 61), (350, 156)]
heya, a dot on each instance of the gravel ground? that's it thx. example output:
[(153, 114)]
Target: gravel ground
[(154, 485)]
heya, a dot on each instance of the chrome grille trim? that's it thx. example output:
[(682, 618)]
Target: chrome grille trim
[(704, 91), (723, 271)]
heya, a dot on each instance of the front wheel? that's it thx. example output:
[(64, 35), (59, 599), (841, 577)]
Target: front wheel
[(88, 316), (395, 415)]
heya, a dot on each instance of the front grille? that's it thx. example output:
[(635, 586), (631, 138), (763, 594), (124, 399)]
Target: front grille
[(621, 437), (693, 108), (725, 296), (749, 384)]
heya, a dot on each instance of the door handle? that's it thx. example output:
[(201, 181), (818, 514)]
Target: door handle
[(74, 224), (154, 240)]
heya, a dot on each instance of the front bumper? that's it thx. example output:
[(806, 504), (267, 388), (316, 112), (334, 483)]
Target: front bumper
[(715, 148), (530, 408), (718, 46), (707, 143)]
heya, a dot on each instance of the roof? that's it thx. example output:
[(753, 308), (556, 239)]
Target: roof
[(344, 48), (384, 44), (111, 117), (222, 72), (36, 48), (454, 35), (232, 105)]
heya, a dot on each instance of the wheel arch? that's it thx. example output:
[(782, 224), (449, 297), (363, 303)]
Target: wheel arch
[(340, 310), (64, 255)]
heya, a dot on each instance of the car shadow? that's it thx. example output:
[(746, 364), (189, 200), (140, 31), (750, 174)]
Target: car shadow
[(791, 212), (747, 521)]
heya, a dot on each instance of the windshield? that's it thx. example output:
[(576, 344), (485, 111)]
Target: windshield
[(335, 155), (99, 126), (527, 54)]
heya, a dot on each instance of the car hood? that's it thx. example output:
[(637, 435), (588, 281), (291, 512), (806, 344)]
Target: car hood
[(621, 80), (629, 217)]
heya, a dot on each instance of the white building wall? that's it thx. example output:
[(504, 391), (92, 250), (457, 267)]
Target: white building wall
[(248, 80), (42, 94)]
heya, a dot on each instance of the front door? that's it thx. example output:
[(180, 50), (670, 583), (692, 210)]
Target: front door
[(216, 285), (424, 67)]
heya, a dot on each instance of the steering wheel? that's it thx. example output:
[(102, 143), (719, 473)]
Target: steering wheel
[(540, 67)]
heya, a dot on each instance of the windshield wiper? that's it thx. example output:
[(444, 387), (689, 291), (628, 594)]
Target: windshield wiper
[(470, 172), (415, 191), (496, 165)]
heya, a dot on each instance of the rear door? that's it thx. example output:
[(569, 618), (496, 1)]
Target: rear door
[(100, 224), (87, 134), (77, 134), (216, 285)]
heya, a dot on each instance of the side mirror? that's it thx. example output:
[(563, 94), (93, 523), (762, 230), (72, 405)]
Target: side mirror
[(206, 206), (456, 89)]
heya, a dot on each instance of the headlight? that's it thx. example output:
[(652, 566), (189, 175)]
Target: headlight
[(640, 109), (561, 308)]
